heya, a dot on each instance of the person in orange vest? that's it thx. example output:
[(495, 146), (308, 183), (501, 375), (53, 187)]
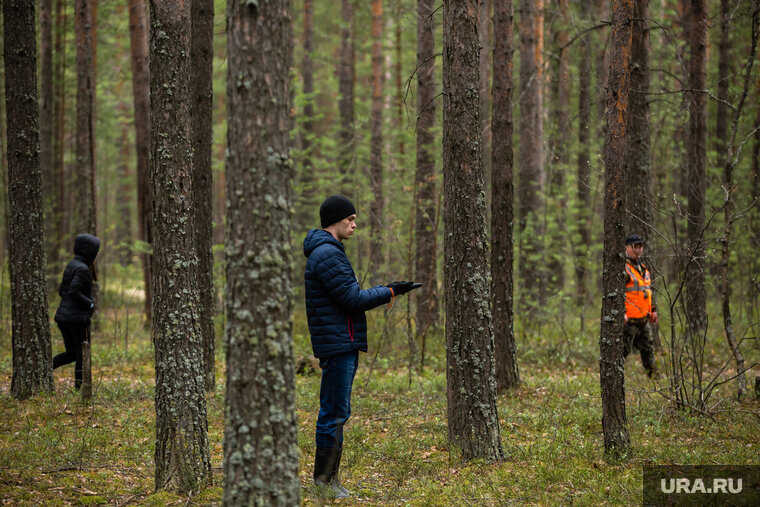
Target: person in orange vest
[(640, 310)]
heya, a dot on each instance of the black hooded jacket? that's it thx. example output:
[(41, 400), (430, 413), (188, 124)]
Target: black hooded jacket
[(76, 286)]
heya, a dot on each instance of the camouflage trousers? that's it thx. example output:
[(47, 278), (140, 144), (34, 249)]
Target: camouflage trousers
[(637, 334)]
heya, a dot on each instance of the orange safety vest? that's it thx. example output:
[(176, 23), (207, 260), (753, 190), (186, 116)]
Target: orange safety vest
[(638, 293)]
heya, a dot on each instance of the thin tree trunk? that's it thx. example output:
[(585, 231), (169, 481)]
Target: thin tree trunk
[(425, 177), (583, 189), (49, 197), (754, 278), (376, 144), (30, 337), (138, 33), (261, 432), (123, 219), (697, 165), (472, 416), (85, 181), (398, 75), (346, 99), (728, 185), (724, 50), (182, 450), (59, 131), (554, 215), (307, 197), (531, 156), (617, 442), (202, 52), (502, 204)]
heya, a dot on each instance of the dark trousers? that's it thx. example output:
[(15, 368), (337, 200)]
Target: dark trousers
[(637, 334), (73, 337), (338, 374)]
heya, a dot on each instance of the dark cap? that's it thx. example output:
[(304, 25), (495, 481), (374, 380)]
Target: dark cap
[(334, 209), (634, 239)]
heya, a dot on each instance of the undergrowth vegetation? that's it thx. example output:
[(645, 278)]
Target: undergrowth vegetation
[(54, 450)]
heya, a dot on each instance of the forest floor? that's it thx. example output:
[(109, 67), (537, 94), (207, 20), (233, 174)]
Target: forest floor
[(56, 451)]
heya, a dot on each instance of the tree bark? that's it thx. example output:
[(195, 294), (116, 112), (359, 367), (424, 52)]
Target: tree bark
[(554, 215), (307, 197), (531, 156), (724, 50), (425, 177), (59, 131), (346, 100), (696, 155), (617, 442), (502, 203), (202, 59), (49, 196), (182, 450), (376, 144), (30, 335), (584, 212), (472, 415), (85, 146), (261, 433), (138, 34)]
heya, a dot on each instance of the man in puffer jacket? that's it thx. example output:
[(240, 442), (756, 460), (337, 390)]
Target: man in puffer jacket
[(73, 314), (335, 306)]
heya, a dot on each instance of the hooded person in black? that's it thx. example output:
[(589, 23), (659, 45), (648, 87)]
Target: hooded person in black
[(74, 312)]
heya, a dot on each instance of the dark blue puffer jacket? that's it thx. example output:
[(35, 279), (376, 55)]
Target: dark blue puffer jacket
[(76, 284), (335, 304)]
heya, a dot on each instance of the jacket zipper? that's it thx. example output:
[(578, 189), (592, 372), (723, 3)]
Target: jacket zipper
[(350, 327)]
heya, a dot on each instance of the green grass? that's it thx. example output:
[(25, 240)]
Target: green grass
[(54, 450)]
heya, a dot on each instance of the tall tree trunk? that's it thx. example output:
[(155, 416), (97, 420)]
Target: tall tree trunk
[(502, 204), (724, 50), (261, 432), (425, 177), (138, 33), (346, 100), (182, 451), (30, 336), (202, 58), (85, 152), (485, 35), (617, 442), (531, 155), (398, 75), (307, 197), (554, 214), (470, 374), (754, 278), (728, 185), (59, 132), (49, 196), (697, 165), (376, 144), (123, 225), (639, 217), (584, 212)]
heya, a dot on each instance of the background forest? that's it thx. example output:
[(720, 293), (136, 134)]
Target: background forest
[(366, 103)]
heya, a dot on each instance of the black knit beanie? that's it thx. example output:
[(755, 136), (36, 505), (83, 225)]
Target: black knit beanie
[(334, 209)]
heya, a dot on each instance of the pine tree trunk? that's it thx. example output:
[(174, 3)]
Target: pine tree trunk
[(697, 165), (639, 217), (49, 197), (425, 177), (307, 196), (502, 204), (554, 215), (472, 415), (583, 189), (346, 99), (531, 156), (724, 50), (261, 432), (123, 219), (376, 145), (59, 131), (182, 449), (85, 164), (32, 355), (138, 33), (617, 442), (202, 58)]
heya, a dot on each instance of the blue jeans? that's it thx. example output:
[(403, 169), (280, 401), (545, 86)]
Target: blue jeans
[(338, 374)]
